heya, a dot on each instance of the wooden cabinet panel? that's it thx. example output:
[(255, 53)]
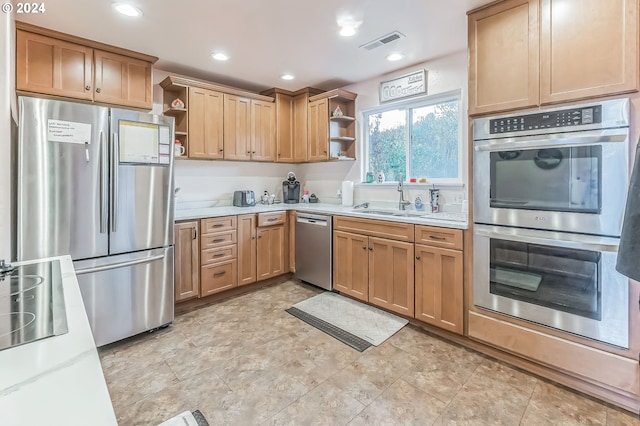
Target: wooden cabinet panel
[(587, 48), (218, 239), (291, 222), (247, 249), (54, 67), (205, 124), (122, 80), (439, 287), (263, 131), (300, 127), (270, 251), (439, 237), (186, 268), (391, 275), (218, 277), (351, 264), (504, 57), (318, 130), (284, 128), (217, 224), (237, 128), (377, 228)]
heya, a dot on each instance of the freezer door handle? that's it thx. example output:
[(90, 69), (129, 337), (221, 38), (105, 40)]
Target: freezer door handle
[(114, 181), (119, 265), (104, 201)]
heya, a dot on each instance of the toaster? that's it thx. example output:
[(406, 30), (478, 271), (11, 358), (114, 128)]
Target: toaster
[(244, 198)]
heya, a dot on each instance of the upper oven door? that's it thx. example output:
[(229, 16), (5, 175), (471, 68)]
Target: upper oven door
[(573, 182)]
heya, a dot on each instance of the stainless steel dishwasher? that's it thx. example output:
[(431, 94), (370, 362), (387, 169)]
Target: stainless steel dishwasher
[(313, 249)]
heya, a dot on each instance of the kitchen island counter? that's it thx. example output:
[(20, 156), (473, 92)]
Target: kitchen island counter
[(57, 380), (447, 220)]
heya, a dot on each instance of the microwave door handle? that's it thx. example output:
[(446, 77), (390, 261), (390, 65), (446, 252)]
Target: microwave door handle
[(552, 239), (114, 181), (104, 188), (554, 141)]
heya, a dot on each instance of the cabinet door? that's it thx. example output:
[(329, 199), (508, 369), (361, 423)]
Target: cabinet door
[(122, 80), (300, 127), (270, 251), (391, 275), (588, 48), (291, 218), (205, 123), (247, 249), (439, 287), (284, 128), (318, 133), (218, 277), (351, 264), (54, 67), (263, 130), (503, 57), (237, 128), (186, 255)]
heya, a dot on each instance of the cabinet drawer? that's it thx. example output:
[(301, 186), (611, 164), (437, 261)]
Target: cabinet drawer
[(218, 277), (215, 224), (375, 228), (218, 239), (439, 237), (268, 219), (219, 254)]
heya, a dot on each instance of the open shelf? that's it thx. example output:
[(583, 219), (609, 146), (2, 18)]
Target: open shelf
[(181, 133), (174, 111), (344, 118), (342, 138), (342, 159)]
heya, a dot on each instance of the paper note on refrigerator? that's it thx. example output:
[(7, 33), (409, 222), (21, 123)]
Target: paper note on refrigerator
[(68, 131), (138, 142)]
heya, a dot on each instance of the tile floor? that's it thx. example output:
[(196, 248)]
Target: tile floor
[(246, 361)]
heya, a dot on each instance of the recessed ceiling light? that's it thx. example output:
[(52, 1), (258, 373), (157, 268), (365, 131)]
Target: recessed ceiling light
[(287, 76), (127, 9), (348, 26), (395, 56), (219, 56), (347, 31)]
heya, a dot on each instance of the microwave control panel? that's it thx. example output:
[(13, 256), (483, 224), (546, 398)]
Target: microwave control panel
[(571, 117)]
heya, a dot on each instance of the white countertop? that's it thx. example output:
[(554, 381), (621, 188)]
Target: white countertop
[(447, 220), (57, 380)]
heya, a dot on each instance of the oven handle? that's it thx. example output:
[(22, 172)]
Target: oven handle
[(555, 140), (549, 238)]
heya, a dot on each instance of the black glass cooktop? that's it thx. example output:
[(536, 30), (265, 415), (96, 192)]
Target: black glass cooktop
[(31, 304)]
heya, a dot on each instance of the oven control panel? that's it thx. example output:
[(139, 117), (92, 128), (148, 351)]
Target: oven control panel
[(571, 117)]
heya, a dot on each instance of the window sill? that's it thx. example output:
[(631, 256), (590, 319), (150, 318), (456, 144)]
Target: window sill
[(411, 185)]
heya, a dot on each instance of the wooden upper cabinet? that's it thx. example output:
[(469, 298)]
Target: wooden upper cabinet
[(122, 80), (263, 130), (588, 48), (284, 128), (503, 57), (318, 130), (300, 126), (237, 127), (391, 275), (54, 67), (205, 123)]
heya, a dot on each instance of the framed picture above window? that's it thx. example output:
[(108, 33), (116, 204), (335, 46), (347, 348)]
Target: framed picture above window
[(416, 139)]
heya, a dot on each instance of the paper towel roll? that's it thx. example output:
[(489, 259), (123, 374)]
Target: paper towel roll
[(347, 193)]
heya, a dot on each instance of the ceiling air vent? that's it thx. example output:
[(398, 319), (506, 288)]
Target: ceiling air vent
[(385, 39)]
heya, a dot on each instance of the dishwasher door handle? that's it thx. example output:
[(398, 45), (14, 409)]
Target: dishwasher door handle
[(316, 222)]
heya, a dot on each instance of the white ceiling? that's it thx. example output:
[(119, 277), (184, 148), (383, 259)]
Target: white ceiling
[(266, 38)]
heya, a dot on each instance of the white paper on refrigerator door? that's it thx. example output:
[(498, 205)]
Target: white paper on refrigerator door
[(138, 142), (68, 131)]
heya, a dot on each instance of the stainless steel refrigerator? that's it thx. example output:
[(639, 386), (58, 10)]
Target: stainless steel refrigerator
[(97, 183)]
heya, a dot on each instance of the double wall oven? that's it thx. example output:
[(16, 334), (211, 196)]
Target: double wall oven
[(549, 196)]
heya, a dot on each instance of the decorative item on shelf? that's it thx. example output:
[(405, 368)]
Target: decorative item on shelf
[(313, 198), (423, 180), (305, 197), (337, 112), (178, 150), (413, 180), (418, 204), (369, 178), (380, 177), (434, 196), (177, 103), (265, 198)]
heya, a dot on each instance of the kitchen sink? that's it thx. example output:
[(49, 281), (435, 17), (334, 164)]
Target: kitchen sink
[(390, 213), (425, 215)]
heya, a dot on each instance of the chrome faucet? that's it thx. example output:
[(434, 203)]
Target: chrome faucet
[(363, 205), (402, 203)]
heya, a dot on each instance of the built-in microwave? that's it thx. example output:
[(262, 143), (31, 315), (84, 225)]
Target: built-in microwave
[(563, 168)]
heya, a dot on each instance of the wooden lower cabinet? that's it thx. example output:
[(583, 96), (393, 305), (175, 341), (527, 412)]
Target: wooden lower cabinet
[(391, 275), (291, 223), (247, 249), (351, 264), (187, 261), (218, 277), (271, 251), (439, 287)]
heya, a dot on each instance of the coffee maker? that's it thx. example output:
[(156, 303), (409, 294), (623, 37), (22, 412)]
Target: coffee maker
[(291, 189)]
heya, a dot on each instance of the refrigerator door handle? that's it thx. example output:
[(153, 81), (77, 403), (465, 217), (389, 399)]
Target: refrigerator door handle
[(114, 181), (119, 265), (103, 184)]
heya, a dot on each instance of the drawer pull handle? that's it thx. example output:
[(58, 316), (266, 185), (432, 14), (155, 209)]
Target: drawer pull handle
[(434, 237), (218, 225), (219, 274), (218, 255), (219, 240), (272, 219), (364, 247)]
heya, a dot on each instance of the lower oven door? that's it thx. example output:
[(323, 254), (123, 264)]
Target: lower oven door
[(560, 280)]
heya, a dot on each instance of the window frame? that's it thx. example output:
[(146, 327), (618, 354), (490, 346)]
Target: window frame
[(407, 105)]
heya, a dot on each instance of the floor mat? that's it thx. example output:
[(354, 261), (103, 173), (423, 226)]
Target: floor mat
[(366, 322)]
